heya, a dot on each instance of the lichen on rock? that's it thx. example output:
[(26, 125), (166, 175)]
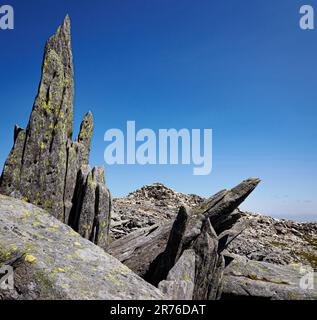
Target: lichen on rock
[(44, 162)]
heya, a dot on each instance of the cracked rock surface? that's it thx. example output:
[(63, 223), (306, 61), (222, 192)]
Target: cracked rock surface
[(53, 262), (44, 164)]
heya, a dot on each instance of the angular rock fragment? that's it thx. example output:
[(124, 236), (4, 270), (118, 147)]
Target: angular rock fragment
[(220, 208), (195, 230), (139, 249), (90, 214), (44, 162), (165, 262), (77, 156), (180, 282), (206, 249), (228, 236)]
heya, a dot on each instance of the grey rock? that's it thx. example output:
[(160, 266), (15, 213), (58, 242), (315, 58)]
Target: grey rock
[(195, 230), (90, 215), (228, 236), (180, 282), (43, 165), (248, 279), (77, 156), (221, 208), (53, 262), (150, 205), (40, 150), (261, 241), (138, 250), (153, 252), (206, 249), (174, 247)]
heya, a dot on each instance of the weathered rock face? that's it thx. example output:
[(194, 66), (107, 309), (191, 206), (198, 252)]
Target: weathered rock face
[(39, 157), (90, 214), (180, 282), (247, 279), (44, 162), (261, 239), (155, 251), (265, 239), (199, 231), (51, 261), (139, 249)]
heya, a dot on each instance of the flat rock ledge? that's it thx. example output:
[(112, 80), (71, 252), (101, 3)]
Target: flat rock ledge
[(248, 279), (53, 262)]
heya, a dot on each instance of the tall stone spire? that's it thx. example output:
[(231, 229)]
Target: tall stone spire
[(44, 162)]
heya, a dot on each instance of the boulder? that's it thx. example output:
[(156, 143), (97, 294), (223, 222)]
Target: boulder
[(248, 279), (51, 261)]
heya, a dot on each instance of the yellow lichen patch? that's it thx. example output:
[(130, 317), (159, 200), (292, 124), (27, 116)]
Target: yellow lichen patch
[(53, 228), (4, 255), (115, 279), (77, 244), (61, 270), (14, 247), (42, 146), (104, 224), (36, 224), (29, 258), (27, 214), (47, 106)]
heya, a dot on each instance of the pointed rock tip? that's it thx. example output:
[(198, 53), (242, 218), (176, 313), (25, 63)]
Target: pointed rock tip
[(89, 115), (66, 22), (88, 119), (254, 180)]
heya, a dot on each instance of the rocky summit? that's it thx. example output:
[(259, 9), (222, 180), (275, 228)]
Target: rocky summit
[(65, 238), (266, 239), (146, 207)]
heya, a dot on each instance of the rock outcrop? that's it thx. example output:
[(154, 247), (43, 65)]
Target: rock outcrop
[(44, 164), (155, 253), (199, 230), (276, 241), (248, 279), (53, 262), (255, 239)]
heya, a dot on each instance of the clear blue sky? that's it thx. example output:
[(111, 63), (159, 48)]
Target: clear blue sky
[(242, 68)]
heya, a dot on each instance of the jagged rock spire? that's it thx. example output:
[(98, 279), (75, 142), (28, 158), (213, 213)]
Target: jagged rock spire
[(44, 162)]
